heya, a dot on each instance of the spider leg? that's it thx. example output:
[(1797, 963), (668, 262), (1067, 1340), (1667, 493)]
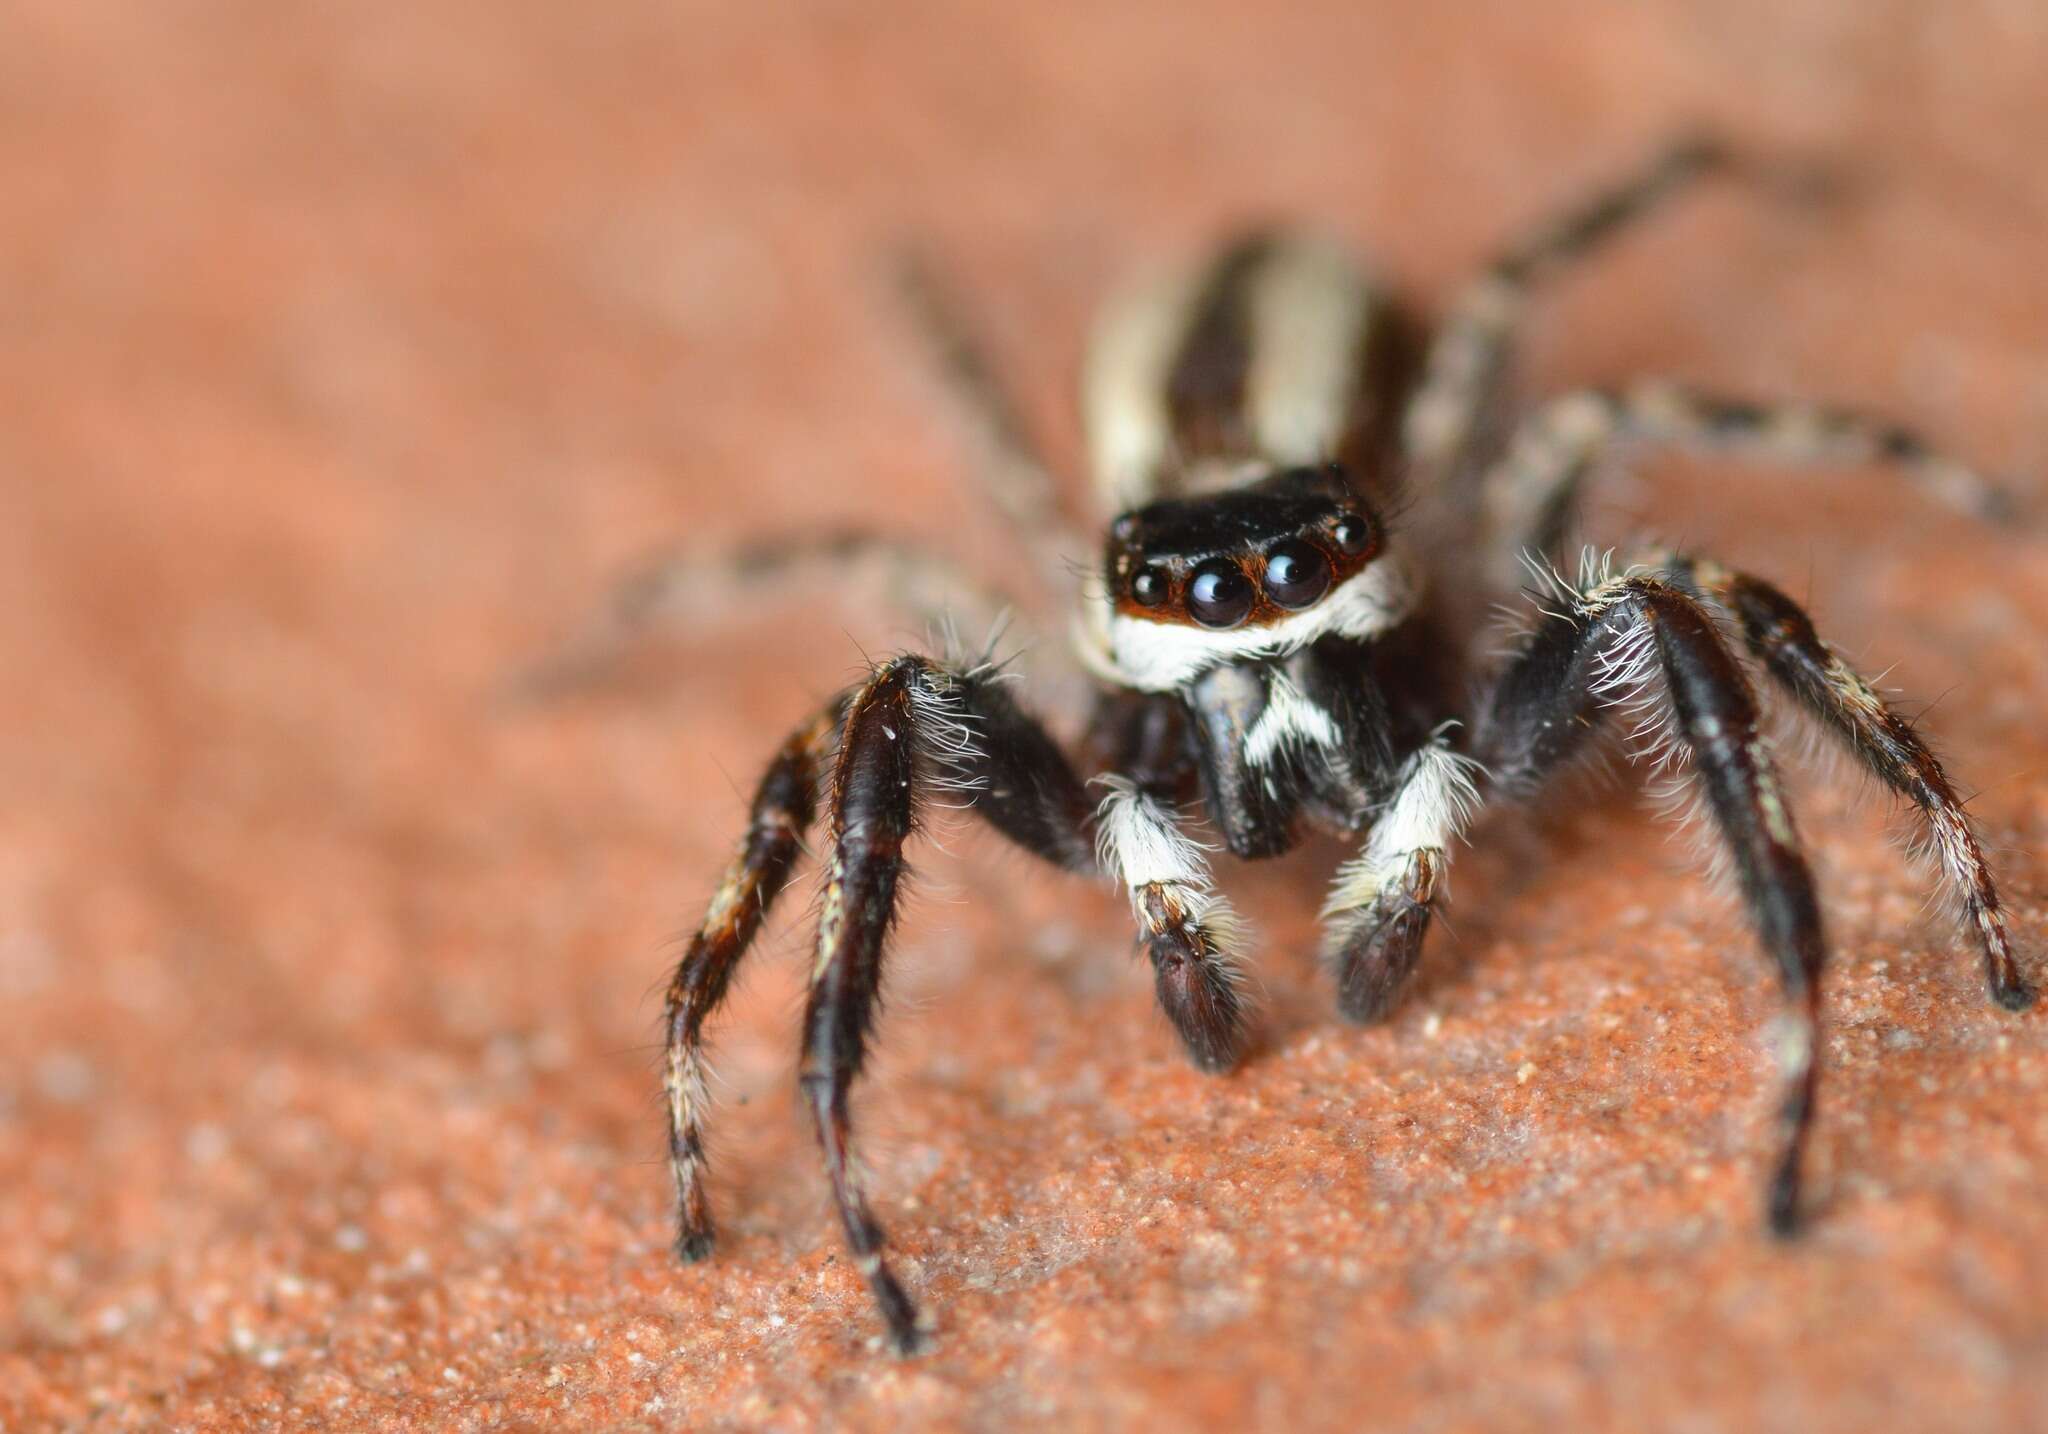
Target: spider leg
[(914, 728), (1782, 637), (1191, 934), (703, 589), (1636, 635), (1022, 785), (1380, 904), (1012, 470), (1469, 355), (783, 807), (1526, 499)]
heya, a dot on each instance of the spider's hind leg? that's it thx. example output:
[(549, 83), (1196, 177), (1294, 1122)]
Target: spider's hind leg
[(697, 589), (1639, 635), (1011, 470), (1467, 360), (1528, 499), (1782, 636)]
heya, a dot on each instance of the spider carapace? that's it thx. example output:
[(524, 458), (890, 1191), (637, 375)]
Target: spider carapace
[(1311, 498)]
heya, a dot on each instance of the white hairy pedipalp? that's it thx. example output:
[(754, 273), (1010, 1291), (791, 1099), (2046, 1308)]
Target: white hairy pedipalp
[(1437, 798), (1140, 845)]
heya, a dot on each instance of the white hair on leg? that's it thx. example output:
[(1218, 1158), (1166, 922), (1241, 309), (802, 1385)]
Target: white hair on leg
[(948, 739)]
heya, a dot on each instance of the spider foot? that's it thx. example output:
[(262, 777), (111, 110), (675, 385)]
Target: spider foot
[(1781, 1204), (2013, 991), (1376, 960), (906, 1336), (1200, 995)]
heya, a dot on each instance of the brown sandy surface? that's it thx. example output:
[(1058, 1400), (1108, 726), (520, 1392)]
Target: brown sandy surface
[(347, 353)]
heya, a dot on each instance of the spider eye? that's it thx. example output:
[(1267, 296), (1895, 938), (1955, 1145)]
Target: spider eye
[(1296, 573), (1220, 594), (1352, 535), (1148, 588)]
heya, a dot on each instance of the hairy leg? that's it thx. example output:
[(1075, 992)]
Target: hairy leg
[(783, 807), (1782, 636), (1638, 638), (976, 746), (916, 729)]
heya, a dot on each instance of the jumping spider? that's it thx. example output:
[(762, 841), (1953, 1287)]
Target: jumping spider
[(1310, 492)]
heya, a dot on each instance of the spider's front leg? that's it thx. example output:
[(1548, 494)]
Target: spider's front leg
[(1639, 637), (1379, 907), (916, 727)]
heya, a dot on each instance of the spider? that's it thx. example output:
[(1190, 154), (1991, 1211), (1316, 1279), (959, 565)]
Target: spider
[(1312, 497)]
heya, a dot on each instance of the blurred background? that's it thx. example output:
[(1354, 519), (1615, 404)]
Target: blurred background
[(350, 354)]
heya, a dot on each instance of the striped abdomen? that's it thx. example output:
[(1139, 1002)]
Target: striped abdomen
[(1279, 352)]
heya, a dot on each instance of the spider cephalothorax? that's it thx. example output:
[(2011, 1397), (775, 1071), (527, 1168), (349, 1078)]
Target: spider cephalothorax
[(1277, 650), (1246, 557), (1254, 571)]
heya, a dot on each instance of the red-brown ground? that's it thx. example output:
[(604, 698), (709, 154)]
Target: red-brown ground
[(346, 354)]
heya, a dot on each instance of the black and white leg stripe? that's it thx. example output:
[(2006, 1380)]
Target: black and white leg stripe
[(1526, 500), (782, 810), (915, 730), (1782, 636), (1463, 371), (1379, 906), (1192, 935)]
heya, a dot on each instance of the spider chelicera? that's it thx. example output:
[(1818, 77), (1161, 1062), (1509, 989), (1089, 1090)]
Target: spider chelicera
[(1310, 492)]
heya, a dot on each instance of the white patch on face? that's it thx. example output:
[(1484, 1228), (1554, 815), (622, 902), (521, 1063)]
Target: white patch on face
[(1289, 723), (1161, 656)]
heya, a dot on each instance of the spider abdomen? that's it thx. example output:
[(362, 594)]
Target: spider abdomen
[(1278, 352)]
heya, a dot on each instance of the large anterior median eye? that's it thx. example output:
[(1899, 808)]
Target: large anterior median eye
[(1219, 594), (1296, 573)]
